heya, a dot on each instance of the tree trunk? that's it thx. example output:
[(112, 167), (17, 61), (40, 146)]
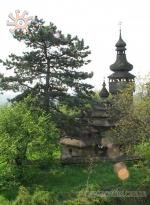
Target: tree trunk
[(47, 83)]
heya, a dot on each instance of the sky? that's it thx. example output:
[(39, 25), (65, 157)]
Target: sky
[(96, 21)]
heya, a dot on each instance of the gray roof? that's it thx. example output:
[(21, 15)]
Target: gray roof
[(121, 75), (121, 64), (120, 44), (104, 92)]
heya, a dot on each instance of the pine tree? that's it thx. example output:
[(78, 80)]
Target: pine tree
[(51, 68)]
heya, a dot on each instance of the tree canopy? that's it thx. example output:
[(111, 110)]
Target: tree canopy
[(50, 68)]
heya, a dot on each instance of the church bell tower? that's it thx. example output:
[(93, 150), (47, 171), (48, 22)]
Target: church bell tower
[(121, 76)]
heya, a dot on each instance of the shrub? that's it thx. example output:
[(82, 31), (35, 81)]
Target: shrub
[(88, 197), (44, 198), (24, 133), (23, 197)]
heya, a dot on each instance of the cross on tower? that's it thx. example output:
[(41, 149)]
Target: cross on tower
[(120, 24)]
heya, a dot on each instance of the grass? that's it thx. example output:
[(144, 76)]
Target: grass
[(66, 181)]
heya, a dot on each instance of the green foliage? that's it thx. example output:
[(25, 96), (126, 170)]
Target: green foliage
[(50, 69), (88, 196), (143, 151), (24, 134), (142, 113), (73, 119), (132, 119), (127, 131), (44, 198), (121, 103), (23, 197), (38, 198), (4, 201), (68, 184)]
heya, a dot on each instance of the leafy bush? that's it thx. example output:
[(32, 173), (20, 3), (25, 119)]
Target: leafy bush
[(3, 201), (88, 196), (43, 198), (25, 135), (132, 119), (23, 197), (38, 198), (143, 150)]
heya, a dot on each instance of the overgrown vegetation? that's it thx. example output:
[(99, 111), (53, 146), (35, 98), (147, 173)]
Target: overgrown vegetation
[(132, 116), (52, 103), (73, 184), (50, 69), (30, 171)]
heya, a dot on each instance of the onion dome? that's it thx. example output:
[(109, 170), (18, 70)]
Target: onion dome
[(120, 45), (121, 64)]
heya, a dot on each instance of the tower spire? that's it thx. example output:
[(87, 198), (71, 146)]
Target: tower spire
[(120, 45), (120, 68), (120, 29), (120, 25)]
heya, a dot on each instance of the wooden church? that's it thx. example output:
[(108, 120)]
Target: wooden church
[(89, 146)]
